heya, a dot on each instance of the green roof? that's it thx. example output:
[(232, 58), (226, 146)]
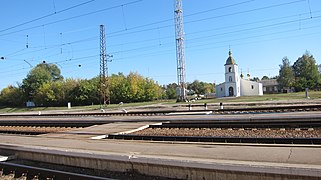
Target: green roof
[(230, 60)]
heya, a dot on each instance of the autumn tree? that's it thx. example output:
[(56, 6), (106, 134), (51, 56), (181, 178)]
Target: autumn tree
[(11, 96)]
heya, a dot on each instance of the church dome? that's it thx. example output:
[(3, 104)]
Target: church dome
[(230, 60)]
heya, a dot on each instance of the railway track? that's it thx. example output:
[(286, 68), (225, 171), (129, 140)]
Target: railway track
[(294, 131), (258, 123), (38, 127), (243, 110)]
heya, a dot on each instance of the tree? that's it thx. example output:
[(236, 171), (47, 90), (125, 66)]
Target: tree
[(286, 74), (11, 96), (86, 92), (265, 78), (306, 72), (170, 91), (51, 94), (200, 87), (42, 73), (132, 88), (255, 79), (119, 88)]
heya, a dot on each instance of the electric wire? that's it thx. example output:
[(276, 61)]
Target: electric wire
[(70, 18), (244, 30), (45, 16)]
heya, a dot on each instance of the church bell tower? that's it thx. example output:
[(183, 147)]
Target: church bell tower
[(232, 79)]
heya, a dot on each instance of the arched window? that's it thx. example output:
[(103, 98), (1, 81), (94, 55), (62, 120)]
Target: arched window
[(230, 69), (230, 79)]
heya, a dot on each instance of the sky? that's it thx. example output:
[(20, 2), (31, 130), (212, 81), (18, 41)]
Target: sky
[(140, 37)]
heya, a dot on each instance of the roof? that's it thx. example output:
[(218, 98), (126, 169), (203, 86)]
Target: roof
[(269, 82), (230, 60)]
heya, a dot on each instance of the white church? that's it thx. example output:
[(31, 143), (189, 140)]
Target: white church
[(235, 85)]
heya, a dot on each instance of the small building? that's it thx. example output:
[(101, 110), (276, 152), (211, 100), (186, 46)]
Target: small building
[(270, 86), (235, 85)]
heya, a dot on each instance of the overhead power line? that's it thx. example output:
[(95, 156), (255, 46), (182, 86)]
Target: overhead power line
[(48, 15), (128, 31), (70, 18)]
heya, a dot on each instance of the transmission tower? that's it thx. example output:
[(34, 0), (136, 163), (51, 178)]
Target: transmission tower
[(104, 87), (180, 51)]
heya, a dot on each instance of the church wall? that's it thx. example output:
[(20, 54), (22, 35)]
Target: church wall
[(220, 90), (251, 88)]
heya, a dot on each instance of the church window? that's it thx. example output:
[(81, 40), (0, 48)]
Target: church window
[(230, 69), (252, 87), (230, 79), (221, 89)]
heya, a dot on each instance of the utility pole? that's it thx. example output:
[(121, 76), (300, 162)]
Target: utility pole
[(104, 86), (180, 51)]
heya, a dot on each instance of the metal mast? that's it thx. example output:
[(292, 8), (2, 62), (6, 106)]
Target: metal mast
[(104, 87), (180, 51)]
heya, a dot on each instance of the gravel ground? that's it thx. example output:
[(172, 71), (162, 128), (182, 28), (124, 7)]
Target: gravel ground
[(35, 129), (259, 133)]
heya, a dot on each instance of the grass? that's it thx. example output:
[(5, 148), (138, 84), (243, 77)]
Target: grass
[(265, 97)]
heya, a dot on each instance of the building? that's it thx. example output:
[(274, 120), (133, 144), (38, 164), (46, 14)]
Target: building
[(235, 85), (270, 86)]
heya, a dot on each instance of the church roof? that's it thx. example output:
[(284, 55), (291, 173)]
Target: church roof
[(230, 60)]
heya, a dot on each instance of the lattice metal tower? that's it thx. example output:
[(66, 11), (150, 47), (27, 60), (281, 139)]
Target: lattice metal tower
[(180, 51), (104, 87)]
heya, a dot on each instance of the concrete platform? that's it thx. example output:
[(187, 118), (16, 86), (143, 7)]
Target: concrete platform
[(289, 161)]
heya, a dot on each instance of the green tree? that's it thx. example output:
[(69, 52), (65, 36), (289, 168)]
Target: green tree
[(11, 96), (306, 72), (86, 92), (265, 78), (42, 73), (44, 95), (199, 87), (256, 79), (132, 88), (286, 74), (119, 88), (170, 91), (51, 94)]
